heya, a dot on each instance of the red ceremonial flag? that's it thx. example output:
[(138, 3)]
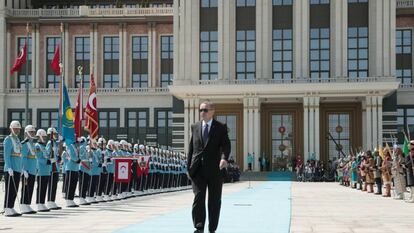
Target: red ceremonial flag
[(91, 112), (56, 61), (20, 60), (122, 170), (79, 113)]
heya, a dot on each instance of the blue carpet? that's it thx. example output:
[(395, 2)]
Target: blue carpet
[(265, 208)]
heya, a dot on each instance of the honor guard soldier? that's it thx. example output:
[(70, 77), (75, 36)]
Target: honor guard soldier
[(104, 172), (43, 170), (84, 170), (111, 170), (12, 168), (96, 169), (52, 149), (72, 173), (29, 170)]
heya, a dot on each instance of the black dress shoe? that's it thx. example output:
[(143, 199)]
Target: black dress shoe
[(198, 231)]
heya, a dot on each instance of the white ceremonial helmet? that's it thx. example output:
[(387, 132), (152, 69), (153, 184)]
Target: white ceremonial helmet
[(30, 130), (51, 130), (15, 125), (123, 143), (41, 134), (111, 142), (141, 147), (101, 140)]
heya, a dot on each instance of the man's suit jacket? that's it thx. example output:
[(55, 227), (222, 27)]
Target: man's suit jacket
[(205, 157)]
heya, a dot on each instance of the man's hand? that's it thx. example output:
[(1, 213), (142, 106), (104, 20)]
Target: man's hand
[(10, 171), (26, 175), (223, 164)]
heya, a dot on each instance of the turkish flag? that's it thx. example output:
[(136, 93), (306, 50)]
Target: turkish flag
[(20, 60), (91, 112), (123, 170), (56, 61)]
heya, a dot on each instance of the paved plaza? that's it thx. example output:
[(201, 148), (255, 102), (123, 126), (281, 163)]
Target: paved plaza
[(251, 207)]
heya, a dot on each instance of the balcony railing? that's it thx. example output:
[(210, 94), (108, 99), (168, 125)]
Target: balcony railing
[(406, 86), (298, 80), (405, 3), (129, 91), (85, 11)]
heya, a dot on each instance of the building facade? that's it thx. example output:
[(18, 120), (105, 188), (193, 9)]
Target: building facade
[(289, 77)]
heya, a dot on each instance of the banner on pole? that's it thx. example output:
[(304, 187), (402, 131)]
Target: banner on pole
[(123, 170)]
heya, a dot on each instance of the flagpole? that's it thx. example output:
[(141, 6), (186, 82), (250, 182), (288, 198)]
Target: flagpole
[(26, 110), (62, 80), (80, 69)]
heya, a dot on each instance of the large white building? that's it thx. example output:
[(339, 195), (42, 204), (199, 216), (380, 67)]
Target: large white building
[(289, 77)]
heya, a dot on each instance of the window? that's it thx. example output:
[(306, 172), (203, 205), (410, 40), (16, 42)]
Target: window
[(357, 52), (282, 54), (282, 2), (140, 61), (209, 3), (357, 1), (52, 80), (403, 51), (48, 118), (404, 75), (137, 123), (282, 141), (164, 126), (166, 60), (82, 58), (319, 53), (21, 81), (405, 120), (319, 2), (245, 3), (208, 55), (108, 118), (339, 128), (111, 62), (246, 54), (19, 115), (403, 41)]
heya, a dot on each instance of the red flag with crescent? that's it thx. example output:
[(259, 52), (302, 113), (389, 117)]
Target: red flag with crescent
[(91, 112), (20, 60)]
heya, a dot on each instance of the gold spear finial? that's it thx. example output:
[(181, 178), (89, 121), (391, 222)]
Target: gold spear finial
[(80, 70)]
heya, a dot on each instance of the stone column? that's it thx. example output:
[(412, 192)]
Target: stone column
[(374, 123), (245, 132), (150, 55), (369, 122), (256, 134), (317, 128), (121, 55), (305, 128), (379, 109), (187, 125)]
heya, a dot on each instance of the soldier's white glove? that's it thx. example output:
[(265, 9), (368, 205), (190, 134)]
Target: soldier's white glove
[(60, 138), (53, 160), (10, 171), (26, 175)]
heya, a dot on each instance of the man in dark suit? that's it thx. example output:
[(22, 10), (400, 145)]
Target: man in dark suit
[(208, 154)]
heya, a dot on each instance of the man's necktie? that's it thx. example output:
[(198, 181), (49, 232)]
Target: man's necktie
[(205, 134)]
